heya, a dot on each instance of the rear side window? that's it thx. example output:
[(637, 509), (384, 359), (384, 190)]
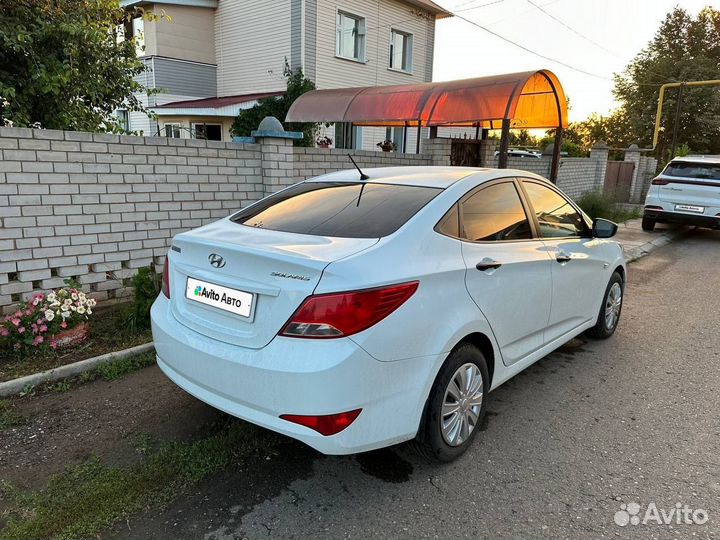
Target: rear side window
[(707, 171), (340, 209), (495, 213)]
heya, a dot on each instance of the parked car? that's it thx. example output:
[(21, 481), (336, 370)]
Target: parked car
[(521, 153), (686, 191), (353, 314)]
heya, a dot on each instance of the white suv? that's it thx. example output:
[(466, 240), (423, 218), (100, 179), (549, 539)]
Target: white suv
[(687, 191)]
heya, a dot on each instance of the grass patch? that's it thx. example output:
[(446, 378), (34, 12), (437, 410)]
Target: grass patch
[(599, 205), (90, 497), (118, 368), (9, 417)]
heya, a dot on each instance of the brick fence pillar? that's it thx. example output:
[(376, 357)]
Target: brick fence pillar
[(632, 154), (276, 147), (600, 153), (438, 149)]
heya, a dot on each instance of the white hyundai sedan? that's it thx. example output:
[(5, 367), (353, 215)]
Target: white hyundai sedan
[(354, 312)]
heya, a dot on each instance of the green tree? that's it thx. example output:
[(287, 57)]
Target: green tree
[(615, 129), (685, 48), (62, 65), (297, 84)]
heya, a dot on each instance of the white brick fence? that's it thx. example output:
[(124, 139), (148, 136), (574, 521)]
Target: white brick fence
[(100, 206)]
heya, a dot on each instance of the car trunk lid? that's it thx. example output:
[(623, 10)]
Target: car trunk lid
[(278, 269)]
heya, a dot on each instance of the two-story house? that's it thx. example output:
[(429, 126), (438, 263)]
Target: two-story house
[(215, 57)]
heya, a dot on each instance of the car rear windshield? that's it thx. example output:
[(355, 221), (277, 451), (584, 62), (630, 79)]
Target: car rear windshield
[(707, 171), (341, 209)]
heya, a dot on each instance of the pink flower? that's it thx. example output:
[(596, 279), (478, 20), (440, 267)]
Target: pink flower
[(53, 344), (18, 313), (38, 340), (15, 321), (4, 331), (43, 328), (28, 312), (39, 322), (63, 324), (34, 328), (21, 330)]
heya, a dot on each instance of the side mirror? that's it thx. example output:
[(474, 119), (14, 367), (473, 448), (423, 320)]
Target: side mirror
[(604, 228)]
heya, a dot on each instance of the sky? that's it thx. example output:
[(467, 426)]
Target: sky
[(614, 32)]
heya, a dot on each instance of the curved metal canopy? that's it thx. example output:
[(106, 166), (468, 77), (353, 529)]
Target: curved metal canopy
[(531, 99)]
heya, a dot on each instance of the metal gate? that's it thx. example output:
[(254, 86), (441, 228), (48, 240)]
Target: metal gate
[(465, 153), (618, 180)]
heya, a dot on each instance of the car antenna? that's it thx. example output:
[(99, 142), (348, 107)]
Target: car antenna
[(363, 176)]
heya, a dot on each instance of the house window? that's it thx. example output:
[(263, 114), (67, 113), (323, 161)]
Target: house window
[(123, 119), (348, 136), (138, 28), (401, 51), (210, 132), (350, 36), (396, 135), (172, 131)]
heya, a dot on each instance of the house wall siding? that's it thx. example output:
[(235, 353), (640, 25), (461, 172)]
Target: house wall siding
[(188, 34), (380, 18), (188, 79), (252, 41)]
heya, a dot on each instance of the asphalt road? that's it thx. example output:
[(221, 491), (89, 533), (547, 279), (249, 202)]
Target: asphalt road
[(596, 425)]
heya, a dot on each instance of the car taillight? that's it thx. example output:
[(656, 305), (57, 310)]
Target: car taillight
[(660, 182), (166, 278), (328, 424), (343, 314)]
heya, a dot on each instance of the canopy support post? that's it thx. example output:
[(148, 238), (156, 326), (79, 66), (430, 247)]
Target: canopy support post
[(404, 142), (555, 166), (419, 132), (504, 144)]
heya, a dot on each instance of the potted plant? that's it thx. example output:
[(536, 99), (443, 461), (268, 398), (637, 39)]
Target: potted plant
[(58, 320), (324, 142), (387, 146)]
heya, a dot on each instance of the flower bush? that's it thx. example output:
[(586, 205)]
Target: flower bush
[(39, 320)]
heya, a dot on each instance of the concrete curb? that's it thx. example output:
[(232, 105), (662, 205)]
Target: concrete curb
[(635, 253), (14, 386)]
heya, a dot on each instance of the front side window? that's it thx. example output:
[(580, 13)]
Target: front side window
[(494, 213), (350, 36), (400, 50), (556, 216), (339, 209)]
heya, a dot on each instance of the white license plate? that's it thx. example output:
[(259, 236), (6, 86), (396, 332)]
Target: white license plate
[(217, 296), (690, 208)]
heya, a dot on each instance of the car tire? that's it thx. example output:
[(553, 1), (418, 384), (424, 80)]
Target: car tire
[(432, 440), (648, 224), (606, 323)]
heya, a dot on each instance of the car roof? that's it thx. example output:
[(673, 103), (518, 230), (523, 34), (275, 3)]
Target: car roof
[(714, 159), (437, 177)]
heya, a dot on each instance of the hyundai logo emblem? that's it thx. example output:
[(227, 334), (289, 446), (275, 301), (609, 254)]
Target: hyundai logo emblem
[(216, 260)]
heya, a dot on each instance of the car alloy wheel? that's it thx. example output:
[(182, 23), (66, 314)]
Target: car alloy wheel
[(461, 404), (613, 304)]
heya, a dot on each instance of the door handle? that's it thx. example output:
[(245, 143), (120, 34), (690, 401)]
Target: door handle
[(562, 257), (488, 264)]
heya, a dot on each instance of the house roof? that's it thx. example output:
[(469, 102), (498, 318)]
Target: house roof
[(530, 99), (216, 102)]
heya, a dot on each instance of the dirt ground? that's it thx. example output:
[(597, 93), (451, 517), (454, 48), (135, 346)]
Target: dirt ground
[(101, 418)]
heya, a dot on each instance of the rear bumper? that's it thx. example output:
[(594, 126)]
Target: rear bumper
[(295, 376), (698, 220)]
